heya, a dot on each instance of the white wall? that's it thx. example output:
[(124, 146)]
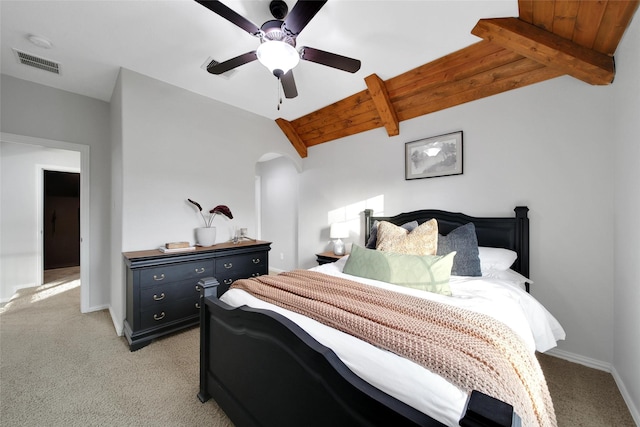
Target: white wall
[(38, 111), (21, 195), (626, 333), (540, 146), (178, 145), (117, 273), (279, 211)]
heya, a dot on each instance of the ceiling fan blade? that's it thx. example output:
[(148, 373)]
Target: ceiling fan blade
[(289, 85), (231, 16), (232, 63), (303, 11), (330, 59)]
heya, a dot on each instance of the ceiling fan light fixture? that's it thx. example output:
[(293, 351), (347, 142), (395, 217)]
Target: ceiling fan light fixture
[(279, 57)]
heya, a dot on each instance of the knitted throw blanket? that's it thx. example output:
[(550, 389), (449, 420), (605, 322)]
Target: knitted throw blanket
[(470, 350)]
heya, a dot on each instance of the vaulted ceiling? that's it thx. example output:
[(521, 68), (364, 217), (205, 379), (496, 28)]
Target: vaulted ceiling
[(173, 40), (550, 38)]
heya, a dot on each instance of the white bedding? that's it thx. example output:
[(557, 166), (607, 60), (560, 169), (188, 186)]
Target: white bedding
[(406, 380)]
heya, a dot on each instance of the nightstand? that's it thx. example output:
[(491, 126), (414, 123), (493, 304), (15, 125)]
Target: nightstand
[(327, 257)]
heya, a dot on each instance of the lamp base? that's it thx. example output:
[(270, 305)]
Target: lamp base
[(338, 247)]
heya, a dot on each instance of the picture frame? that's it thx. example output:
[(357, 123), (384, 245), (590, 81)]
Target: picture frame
[(434, 157)]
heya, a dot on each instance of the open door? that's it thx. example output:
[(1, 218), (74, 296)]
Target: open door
[(61, 215)]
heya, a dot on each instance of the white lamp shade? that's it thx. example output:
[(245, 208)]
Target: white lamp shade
[(277, 55), (339, 230)]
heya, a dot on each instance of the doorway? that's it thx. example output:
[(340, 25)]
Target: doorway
[(41, 154), (61, 219)]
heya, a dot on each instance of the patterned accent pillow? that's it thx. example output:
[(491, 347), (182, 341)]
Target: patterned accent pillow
[(373, 233), (429, 272), (423, 240)]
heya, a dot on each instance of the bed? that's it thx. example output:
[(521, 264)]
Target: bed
[(267, 366)]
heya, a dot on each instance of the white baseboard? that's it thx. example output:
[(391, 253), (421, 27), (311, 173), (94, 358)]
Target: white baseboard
[(582, 360), (15, 290), (275, 270), (633, 409), (117, 324), (602, 366)]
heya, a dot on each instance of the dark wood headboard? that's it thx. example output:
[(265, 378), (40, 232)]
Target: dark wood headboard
[(497, 232)]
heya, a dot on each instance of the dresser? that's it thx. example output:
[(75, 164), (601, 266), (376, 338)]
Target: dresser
[(162, 294)]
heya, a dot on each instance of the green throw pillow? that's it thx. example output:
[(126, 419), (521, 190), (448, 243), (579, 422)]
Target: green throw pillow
[(426, 272)]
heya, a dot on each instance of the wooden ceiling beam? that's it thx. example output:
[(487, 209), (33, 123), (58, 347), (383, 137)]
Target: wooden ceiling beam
[(292, 135), (383, 104), (548, 49), (513, 76), (549, 39)]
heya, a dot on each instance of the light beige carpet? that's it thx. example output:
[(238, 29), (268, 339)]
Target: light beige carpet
[(59, 367)]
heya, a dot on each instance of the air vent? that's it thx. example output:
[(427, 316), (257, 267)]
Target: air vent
[(210, 61), (37, 62)]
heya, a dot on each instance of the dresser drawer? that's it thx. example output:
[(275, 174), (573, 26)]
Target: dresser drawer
[(163, 292), (180, 271), (231, 265), (166, 313), (226, 278), (229, 277)]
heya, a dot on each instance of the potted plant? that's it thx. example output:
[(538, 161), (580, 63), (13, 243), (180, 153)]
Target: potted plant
[(206, 236)]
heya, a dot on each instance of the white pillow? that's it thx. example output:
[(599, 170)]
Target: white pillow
[(496, 258)]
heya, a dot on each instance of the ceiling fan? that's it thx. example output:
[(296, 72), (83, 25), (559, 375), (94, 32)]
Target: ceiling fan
[(277, 49)]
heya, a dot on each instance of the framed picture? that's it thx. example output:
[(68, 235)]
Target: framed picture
[(436, 156)]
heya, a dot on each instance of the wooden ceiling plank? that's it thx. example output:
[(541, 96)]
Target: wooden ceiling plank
[(588, 21), (293, 137), (351, 118), (458, 72), (347, 131), (564, 20), (351, 106), (380, 97), (333, 111), (617, 17), (525, 10), (413, 77), (448, 89), (548, 49), (543, 11), (514, 82)]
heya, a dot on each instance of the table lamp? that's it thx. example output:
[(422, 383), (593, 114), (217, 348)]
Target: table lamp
[(339, 230)]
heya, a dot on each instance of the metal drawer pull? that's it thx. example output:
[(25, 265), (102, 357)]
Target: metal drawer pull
[(228, 264), (160, 277), (228, 281), (198, 305), (158, 298), (160, 317), (256, 260), (255, 274), (199, 270)]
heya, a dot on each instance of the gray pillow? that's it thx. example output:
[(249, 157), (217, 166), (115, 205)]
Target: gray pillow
[(464, 242), (373, 234)]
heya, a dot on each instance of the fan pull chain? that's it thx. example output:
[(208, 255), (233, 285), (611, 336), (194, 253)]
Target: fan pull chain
[(279, 95)]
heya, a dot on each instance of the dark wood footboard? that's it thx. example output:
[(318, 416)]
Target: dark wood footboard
[(264, 370)]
